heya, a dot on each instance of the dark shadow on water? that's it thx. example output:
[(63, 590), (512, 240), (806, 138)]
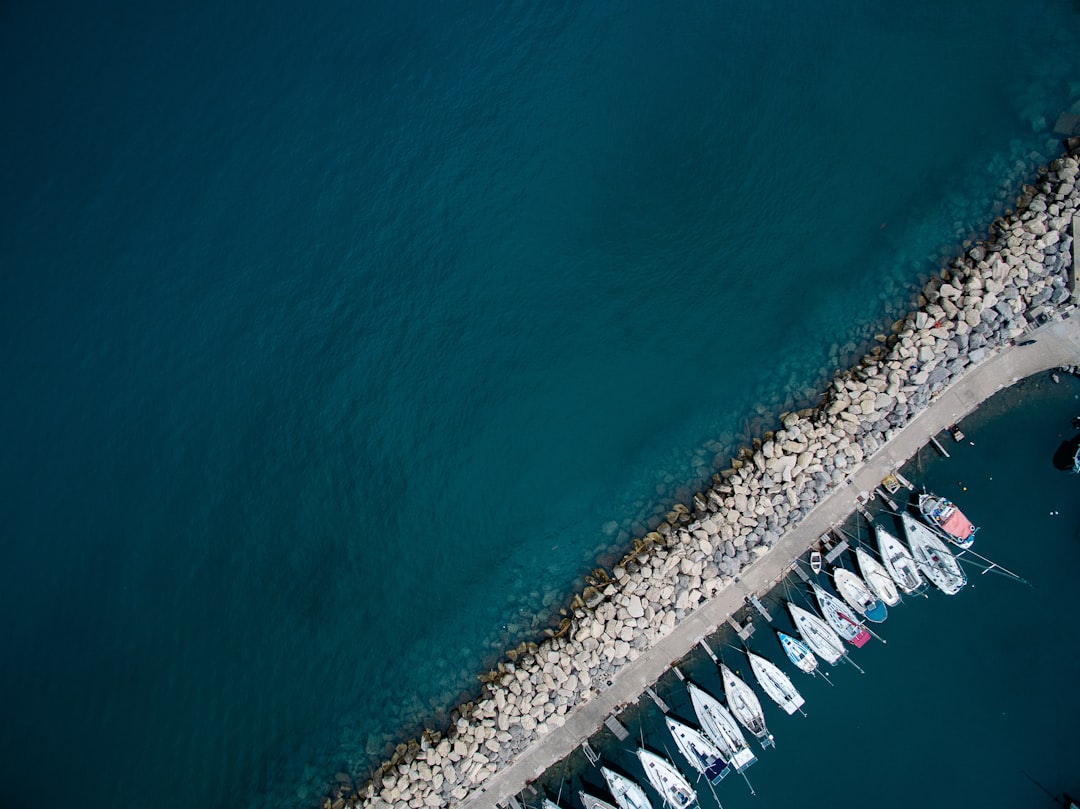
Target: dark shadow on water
[(1063, 458)]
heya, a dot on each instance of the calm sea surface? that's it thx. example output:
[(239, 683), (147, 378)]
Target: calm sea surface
[(339, 340)]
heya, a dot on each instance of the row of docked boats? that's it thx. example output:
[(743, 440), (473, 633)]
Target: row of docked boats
[(715, 748), (717, 745)]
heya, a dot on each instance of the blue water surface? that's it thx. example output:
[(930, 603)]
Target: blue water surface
[(339, 341)]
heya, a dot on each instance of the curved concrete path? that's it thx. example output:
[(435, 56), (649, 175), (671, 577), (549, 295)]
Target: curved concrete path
[(1057, 344)]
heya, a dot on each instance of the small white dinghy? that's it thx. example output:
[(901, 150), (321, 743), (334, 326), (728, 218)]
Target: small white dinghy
[(627, 794), (745, 706), (898, 561), (775, 683), (877, 578), (840, 618), (703, 755), (858, 596), (721, 728), (819, 636), (591, 802), (934, 559), (798, 652), (667, 780)]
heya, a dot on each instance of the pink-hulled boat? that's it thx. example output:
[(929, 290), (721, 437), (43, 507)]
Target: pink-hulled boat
[(948, 519)]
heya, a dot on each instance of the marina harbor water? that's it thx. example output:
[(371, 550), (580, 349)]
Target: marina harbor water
[(386, 381), (1056, 344), (847, 436)]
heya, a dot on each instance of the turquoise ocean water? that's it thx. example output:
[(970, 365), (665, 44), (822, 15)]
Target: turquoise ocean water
[(338, 342)]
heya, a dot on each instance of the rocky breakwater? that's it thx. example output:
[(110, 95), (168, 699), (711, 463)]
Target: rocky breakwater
[(983, 300)]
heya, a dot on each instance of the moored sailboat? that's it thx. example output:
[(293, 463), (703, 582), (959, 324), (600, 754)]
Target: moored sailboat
[(877, 578), (934, 559), (798, 652), (855, 592), (721, 728), (592, 802), (703, 755), (819, 636), (775, 683), (898, 560), (948, 519), (627, 794), (837, 615), (674, 789), (745, 706)]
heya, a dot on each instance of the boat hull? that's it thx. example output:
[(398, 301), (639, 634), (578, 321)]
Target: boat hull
[(667, 780), (702, 754), (745, 706), (590, 802), (877, 578), (817, 634), (776, 684), (899, 562), (721, 729), (627, 793), (798, 653), (858, 596), (934, 559), (948, 519), (836, 614)]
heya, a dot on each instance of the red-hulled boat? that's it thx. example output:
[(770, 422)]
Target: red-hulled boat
[(948, 519)]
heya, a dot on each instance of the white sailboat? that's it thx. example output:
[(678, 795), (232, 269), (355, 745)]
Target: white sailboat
[(840, 618), (877, 578), (675, 790), (720, 726), (745, 706), (898, 561), (858, 596), (627, 794), (591, 802), (775, 683), (703, 755), (798, 652), (547, 803), (934, 559), (819, 636)]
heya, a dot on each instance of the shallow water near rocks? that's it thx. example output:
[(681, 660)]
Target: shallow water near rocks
[(338, 345)]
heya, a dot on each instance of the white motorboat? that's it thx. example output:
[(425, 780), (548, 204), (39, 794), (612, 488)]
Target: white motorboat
[(674, 789), (798, 652), (591, 802), (627, 793), (819, 636), (933, 558), (858, 596), (775, 683), (877, 578), (703, 755), (898, 561), (840, 618), (721, 728), (745, 706)]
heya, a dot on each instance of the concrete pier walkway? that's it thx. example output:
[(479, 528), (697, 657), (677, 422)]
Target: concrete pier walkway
[(1056, 344)]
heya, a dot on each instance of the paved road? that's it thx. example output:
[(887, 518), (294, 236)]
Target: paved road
[(1056, 344)]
